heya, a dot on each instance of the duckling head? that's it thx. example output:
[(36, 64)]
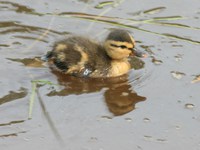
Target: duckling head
[(119, 44)]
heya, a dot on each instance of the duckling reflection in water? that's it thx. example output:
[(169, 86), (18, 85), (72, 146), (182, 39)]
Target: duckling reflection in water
[(81, 57), (119, 95)]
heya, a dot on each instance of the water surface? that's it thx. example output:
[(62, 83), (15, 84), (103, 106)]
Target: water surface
[(155, 106)]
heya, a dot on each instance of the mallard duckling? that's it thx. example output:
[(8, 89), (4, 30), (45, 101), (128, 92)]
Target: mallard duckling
[(81, 56)]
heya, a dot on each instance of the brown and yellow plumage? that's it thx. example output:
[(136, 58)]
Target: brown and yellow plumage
[(80, 56)]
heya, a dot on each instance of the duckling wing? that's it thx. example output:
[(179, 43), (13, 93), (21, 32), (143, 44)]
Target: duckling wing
[(80, 56), (71, 56)]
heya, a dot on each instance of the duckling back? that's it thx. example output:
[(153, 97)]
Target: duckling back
[(79, 56)]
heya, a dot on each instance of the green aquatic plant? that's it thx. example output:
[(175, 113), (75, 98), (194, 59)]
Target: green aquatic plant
[(131, 23), (154, 10), (35, 92), (103, 4), (115, 4), (34, 87), (32, 99)]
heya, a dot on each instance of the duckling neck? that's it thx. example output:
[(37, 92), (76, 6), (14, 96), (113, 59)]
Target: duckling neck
[(119, 67)]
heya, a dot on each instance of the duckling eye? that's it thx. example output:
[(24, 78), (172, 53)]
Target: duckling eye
[(123, 46)]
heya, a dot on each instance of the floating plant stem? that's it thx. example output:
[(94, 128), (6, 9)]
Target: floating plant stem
[(48, 118), (32, 99), (168, 18), (170, 24), (44, 82), (181, 38), (41, 37), (140, 29), (12, 122), (34, 91), (118, 2), (35, 84), (154, 10), (102, 4)]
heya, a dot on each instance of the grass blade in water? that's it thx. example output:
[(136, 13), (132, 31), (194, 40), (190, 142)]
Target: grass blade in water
[(32, 99), (102, 4), (154, 10)]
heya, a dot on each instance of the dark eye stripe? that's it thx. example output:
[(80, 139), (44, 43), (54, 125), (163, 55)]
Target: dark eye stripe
[(114, 45), (121, 46)]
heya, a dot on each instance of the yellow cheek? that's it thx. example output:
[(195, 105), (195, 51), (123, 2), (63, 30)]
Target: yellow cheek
[(117, 53)]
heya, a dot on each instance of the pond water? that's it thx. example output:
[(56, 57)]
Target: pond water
[(154, 106)]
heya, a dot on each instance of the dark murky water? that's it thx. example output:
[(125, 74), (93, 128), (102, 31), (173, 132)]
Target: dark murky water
[(76, 113)]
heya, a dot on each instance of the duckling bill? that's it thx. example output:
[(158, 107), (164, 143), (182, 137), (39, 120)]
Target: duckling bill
[(80, 56)]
